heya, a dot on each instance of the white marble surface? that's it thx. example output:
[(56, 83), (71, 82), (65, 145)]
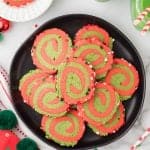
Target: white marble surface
[(115, 11)]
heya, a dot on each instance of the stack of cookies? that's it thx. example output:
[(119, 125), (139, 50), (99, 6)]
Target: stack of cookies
[(78, 83)]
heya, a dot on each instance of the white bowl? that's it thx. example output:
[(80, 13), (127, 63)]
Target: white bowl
[(24, 13)]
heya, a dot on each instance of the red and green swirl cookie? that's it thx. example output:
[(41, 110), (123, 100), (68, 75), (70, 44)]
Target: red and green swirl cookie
[(75, 81), (27, 82), (50, 49), (95, 53), (102, 106), (123, 77), (45, 100), (17, 3), (112, 125), (66, 130), (94, 32)]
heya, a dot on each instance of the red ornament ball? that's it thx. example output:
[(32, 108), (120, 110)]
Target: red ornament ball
[(8, 140), (4, 24)]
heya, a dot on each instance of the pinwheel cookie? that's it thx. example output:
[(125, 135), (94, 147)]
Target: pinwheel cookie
[(95, 53), (75, 81), (51, 48), (123, 77), (92, 31), (45, 100), (113, 125), (28, 81), (66, 130), (102, 106)]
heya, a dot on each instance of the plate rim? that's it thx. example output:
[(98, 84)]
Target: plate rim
[(131, 45)]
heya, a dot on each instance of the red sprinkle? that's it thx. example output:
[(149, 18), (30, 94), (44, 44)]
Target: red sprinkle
[(132, 148), (148, 129), (140, 138)]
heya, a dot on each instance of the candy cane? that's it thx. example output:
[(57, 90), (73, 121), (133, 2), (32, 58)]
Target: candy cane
[(141, 16), (146, 28), (141, 139)]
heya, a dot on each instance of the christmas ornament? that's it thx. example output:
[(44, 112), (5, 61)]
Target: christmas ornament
[(10, 141), (4, 24)]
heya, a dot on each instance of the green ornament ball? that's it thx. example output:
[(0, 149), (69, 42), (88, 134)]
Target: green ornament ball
[(8, 120), (27, 144)]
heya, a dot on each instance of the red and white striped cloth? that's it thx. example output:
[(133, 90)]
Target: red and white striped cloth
[(4, 83)]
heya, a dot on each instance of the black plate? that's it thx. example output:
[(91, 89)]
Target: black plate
[(22, 63)]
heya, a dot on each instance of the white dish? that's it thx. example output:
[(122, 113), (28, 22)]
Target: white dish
[(24, 13)]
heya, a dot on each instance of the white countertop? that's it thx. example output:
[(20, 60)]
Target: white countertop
[(116, 12)]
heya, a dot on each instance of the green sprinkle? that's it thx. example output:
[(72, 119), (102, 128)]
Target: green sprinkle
[(1, 37)]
